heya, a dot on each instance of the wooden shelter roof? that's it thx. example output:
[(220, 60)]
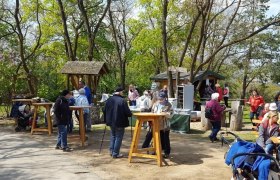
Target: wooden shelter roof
[(85, 68)]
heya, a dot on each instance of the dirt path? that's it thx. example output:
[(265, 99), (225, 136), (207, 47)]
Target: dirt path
[(192, 157)]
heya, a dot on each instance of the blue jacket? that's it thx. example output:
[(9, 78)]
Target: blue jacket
[(88, 94), (116, 112), (261, 163)]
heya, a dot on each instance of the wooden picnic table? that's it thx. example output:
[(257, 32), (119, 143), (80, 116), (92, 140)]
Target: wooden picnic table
[(134, 151), (80, 109), (48, 106), (256, 121), (27, 101), (275, 140)]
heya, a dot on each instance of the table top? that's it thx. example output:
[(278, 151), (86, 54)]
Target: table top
[(23, 100), (257, 121), (275, 140), (42, 104), (78, 107), (149, 114)]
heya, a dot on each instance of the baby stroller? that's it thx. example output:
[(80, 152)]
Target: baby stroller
[(248, 160), (23, 115)]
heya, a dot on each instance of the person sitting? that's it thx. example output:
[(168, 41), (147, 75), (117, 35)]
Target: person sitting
[(161, 105), (24, 117), (264, 111), (272, 108), (267, 129)]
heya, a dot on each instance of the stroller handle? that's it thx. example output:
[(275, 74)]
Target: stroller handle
[(253, 154), (224, 140)]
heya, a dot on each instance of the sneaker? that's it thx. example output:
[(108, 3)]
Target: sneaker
[(118, 156), (211, 139), (58, 147), (67, 149), (216, 139), (165, 156)]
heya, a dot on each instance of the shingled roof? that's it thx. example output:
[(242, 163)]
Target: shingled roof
[(200, 75), (84, 68)]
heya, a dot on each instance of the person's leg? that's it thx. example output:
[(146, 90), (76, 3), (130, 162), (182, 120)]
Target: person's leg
[(216, 126), (118, 141), (148, 139), (252, 114), (226, 101), (112, 139), (269, 148), (162, 139), (167, 148), (63, 136), (58, 143), (88, 122)]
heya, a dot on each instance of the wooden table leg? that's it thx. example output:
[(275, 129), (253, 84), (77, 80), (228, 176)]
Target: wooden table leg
[(34, 119), (82, 126), (49, 120), (157, 142), (133, 146)]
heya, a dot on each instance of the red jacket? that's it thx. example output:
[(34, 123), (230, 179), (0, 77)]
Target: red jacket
[(220, 91), (217, 109), (255, 102)]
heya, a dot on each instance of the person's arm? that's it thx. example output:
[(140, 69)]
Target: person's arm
[(126, 109), (261, 101)]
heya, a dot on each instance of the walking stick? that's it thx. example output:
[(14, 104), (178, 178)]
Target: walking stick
[(102, 139)]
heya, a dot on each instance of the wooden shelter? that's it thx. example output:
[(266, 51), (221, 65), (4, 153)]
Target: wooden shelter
[(210, 76), (89, 71)]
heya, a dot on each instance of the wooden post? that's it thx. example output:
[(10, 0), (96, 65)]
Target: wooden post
[(205, 123), (237, 116)]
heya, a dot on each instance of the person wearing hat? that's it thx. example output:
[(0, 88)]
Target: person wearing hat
[(161, 105), (61, 111), (215, 120), (272, 107), (116, 113), (82, 100), (267, 129)]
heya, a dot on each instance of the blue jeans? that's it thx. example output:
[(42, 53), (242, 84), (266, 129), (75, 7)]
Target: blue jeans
[(253, 114), (61, 136), (216, 126), (269, 148), (116, 140)]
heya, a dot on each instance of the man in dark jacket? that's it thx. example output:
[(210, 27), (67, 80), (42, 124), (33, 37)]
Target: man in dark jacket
[(116, 115), (61, 112)]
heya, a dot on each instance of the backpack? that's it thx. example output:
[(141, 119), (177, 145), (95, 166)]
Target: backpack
[(208, 113)]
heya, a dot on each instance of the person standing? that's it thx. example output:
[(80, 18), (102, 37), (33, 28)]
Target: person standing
[(161, 105), (226, 94), (61, 112), (132, 95), (89, 98), (116, 113), (255, 101), (82, 101), (219, 91), (165, 91), (215, 120)]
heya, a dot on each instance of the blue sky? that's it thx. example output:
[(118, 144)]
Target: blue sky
[(274, 7)]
